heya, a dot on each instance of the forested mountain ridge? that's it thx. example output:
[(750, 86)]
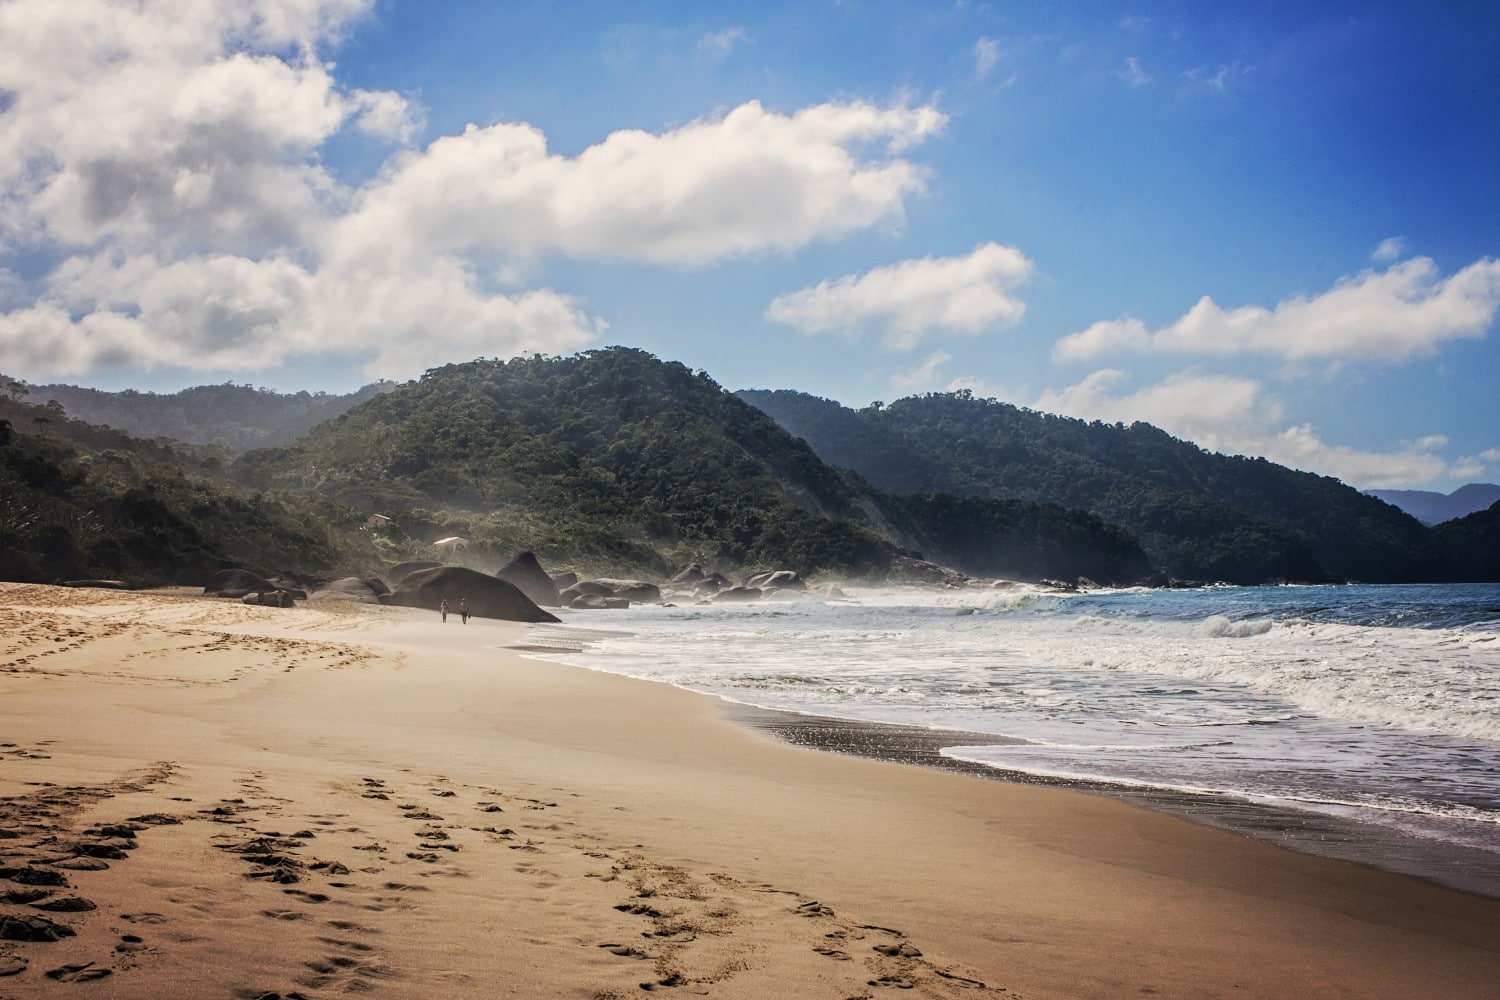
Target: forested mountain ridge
[(78, 501), (614, 459), (237, 417), (1199, 515)]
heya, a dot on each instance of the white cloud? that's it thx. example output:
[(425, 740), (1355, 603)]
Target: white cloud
[(1235, 416), (924, 376), (153, 124), (1391, 248), (751, 181), (986, 57), (166, 161), (1405, 311), (716, 45), (1216, 80), (1133, 74), (910, 299)]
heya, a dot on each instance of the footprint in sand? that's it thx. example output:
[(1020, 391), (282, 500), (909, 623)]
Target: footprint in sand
[(144, 918), (85, 972), (311, 897)]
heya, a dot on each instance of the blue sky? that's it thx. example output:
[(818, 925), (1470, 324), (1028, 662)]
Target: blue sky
[(1271, 229)]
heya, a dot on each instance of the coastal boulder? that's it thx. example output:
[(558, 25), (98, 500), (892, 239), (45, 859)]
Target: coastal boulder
[(563, 580), (638, 591), (237, 583), (690, 577), (526, 572), (783, 579), (350, 588), (597, 602), (738, 595), (488, 596), (401, 571)]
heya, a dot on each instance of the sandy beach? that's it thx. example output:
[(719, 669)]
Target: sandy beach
[(204, 799)]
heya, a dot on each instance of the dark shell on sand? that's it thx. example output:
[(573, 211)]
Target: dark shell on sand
[(487, 596)]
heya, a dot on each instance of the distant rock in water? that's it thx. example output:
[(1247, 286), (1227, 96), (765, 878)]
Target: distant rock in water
[(401, 571), (99, 584), (783, 579), (526, 572), (638, 591), (739, 595), (237, 583), (488, 596)]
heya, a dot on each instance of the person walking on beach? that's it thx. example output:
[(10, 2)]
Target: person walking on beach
[(443, 609), (463, 609)]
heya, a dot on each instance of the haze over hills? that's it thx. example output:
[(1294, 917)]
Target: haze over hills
[(614, 457), (233, 416), (616, 462), (1431, 507), (1199, 515)]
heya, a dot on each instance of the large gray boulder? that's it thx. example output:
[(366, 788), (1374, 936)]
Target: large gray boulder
[(350, 588), (739, 595), (237, 583), (487, 596), (783, 579), (401, 571), (526, 572), (638, 591)]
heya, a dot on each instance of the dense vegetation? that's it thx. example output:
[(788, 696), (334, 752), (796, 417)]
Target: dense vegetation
[(232, 416), (1472, 545), (616, 461), (1198, 515), (84, 502)]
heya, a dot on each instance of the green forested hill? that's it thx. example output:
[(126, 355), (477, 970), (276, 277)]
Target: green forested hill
[(79, 501), (1198, 515), (1472, 544), (232, 416), (615, 460)]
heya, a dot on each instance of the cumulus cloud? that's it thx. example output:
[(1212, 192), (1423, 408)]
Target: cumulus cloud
[(910, 299), (164, 162), (1236, 416), (751, 181), (1405, 311)]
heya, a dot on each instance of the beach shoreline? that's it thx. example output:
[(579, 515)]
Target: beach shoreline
[(333, 799), (1452, 866)]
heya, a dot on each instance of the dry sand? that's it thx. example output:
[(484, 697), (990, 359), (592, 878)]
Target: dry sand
[(253, 802)]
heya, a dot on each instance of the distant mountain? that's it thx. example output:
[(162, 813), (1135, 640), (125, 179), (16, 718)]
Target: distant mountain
[(615, 460), (1435, 508), (237, 417), (1198, 515)]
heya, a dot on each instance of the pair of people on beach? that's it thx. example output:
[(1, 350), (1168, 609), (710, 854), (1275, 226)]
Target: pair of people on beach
[(463, 609)]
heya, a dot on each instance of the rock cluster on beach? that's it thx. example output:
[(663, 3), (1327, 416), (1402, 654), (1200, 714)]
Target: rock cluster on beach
[(522, 588)]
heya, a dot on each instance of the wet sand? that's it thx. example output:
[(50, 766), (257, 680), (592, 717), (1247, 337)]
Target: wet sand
[(202, 799)]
